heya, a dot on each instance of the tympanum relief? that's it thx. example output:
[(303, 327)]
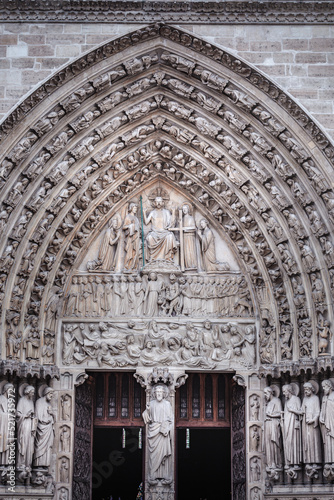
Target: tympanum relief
[(159, 286)]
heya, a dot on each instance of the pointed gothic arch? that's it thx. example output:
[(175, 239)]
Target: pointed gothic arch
[(162, 104)]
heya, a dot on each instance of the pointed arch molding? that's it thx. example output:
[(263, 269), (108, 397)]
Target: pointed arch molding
[(160, 103)]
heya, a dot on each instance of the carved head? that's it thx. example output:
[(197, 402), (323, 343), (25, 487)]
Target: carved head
[(48, 393), (8, 388), (327, 386), (159, 392), (268, 393), (152, 276), (159, 202), (133, 207), (29, 391), (308, 389), (287, 390), (204, 223)]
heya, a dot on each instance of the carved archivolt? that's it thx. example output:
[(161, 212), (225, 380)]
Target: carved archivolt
[(216, 131)]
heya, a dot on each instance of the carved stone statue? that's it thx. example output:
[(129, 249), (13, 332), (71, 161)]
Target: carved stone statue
[(26, 427), (132, 238), (158, 418), (208, 248), (109, 250), (291, 426), (160, 241), (310, 429), (272, 428), (45, 429), (5, 437), (189, 238), (327, 421)]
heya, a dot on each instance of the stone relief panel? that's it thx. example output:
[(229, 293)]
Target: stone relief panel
[(175, 235), (195, 344)]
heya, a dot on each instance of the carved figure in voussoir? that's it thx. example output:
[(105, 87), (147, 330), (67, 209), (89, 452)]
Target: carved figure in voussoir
[(328, 250), (293, 146), (318, 290), (240, 98), (17, 191), (22, 149), (178, 86), (210, 79), (137, 134), (259, 143), (258, 171), (273, 227), (40, 196), (111, 101), (317, 225), (317, 177), (294, 224)]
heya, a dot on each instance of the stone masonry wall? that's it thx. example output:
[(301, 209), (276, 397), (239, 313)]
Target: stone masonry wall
[(299, 58)]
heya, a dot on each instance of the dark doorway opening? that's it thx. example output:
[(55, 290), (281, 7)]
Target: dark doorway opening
[(204, 469), (117, 470)]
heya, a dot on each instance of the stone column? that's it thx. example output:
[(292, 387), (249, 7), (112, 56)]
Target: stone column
[(160, 385)]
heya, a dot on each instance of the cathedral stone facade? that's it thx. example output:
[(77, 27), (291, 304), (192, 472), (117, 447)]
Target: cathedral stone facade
[(167, 252)]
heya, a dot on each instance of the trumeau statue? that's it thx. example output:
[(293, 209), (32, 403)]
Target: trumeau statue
[(159, 419)]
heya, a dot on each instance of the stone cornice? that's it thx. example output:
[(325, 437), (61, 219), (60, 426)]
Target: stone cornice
[(182, 12)]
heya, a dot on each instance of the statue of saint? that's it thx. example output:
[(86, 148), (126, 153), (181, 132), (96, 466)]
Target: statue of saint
[(26, 427), (158, 418), (208, 247), (189, 238), (272, 428), (45, 429), (327, 421), (132, 238), (8, 391), (161, 242), (310, 429), (291, 426), (109, 250)]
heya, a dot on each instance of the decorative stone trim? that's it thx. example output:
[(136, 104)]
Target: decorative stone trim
[(199, 12), (28, 369), (295, 368)]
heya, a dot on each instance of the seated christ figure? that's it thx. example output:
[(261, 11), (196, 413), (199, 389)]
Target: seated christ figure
[(161, 242)]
